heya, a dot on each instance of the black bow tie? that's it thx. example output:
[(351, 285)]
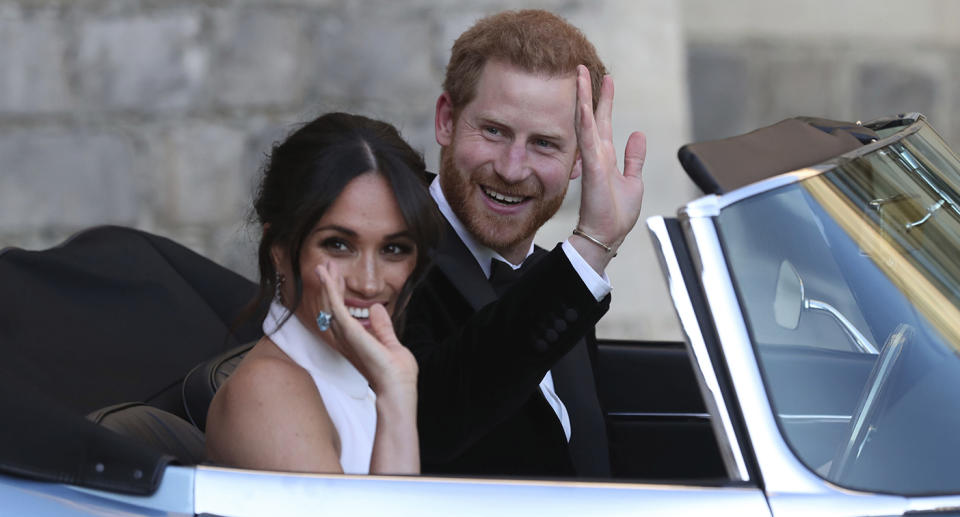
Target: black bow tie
[(502, 275)]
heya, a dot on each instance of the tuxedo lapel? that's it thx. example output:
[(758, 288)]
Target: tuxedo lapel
[(572, 374), (574, 383), (461, 268)]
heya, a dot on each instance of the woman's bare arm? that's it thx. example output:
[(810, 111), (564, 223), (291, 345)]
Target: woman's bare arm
[(269, 416)]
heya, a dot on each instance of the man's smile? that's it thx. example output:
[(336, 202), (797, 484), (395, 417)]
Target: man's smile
[(502, 198)]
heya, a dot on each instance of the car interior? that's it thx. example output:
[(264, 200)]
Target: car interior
[(146, 330)]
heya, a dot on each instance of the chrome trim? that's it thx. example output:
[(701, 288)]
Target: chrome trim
[(642, 414), (772, 183), (706, 206), (825, 419), (221, 491), (711, 204), (862, 343), (781, 470), (729, 445)]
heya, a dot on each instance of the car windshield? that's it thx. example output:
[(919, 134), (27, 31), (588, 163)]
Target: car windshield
[(850, 285)]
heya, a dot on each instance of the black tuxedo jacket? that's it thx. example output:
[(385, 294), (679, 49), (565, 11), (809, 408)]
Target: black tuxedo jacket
[(482, 359)]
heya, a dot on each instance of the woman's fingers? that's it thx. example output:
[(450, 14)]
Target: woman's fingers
[(382, 327), (350, 333), (332, 300)]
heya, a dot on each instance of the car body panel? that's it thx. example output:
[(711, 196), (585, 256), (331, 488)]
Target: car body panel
[(236, 492)]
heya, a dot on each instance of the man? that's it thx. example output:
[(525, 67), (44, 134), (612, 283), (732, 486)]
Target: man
[(506, 386)]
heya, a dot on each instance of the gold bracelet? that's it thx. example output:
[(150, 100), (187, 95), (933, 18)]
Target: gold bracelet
[(608, 249)]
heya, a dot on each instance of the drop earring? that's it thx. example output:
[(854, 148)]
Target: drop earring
[(278, 283)]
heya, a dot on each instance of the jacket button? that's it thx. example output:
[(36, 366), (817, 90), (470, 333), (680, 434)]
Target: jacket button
[(570, 315), (560, 325)]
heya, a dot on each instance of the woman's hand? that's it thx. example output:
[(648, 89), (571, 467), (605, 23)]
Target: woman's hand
[(378, 354), (391, 371)]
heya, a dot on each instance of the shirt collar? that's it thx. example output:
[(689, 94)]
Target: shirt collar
[(481, 253), (312, 353)]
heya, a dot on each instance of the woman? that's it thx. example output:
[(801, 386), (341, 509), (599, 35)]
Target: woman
[(347, 229)]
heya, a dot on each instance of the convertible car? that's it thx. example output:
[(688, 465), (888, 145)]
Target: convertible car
[(817, 283)]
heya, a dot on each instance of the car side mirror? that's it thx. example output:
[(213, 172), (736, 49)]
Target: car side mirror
[(788, 301)]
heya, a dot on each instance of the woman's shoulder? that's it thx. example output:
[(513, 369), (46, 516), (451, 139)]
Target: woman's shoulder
[(269, 414), (264, 371)]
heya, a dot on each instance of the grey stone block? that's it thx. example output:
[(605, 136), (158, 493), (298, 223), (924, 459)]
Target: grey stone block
[(199, 176), (794, 81), (235, 247), (373, 58), (141, 62), (32, 51), (259, 58), (61, 179), (888, 89), (719, 91)]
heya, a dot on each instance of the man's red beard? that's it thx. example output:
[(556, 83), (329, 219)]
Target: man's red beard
[(499, 233)]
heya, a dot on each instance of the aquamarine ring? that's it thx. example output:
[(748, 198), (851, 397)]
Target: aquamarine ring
[(323, 320)]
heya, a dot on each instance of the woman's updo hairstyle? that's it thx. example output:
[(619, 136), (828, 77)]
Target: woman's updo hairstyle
[(306, 173)]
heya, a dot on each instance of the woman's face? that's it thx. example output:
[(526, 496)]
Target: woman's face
[(364, 236)]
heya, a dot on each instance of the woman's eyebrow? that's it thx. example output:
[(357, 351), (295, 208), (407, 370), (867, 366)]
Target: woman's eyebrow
[(342, 229), (336, 228), (405, 234)]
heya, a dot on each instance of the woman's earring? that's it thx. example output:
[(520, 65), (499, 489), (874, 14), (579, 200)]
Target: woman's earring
[(278, 282)]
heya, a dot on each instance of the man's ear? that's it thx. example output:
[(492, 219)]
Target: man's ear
[(443, 122), (577, 167)]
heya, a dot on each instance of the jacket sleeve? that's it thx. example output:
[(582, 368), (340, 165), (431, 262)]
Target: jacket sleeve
[(476, 369)]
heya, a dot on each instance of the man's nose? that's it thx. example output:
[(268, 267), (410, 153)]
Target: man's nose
[(512, 165), (365, 277)]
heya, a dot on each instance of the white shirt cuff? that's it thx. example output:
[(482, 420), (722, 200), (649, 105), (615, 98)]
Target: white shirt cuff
[(598, 285)]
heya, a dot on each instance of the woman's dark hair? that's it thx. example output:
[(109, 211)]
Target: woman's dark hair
[(306, 173)]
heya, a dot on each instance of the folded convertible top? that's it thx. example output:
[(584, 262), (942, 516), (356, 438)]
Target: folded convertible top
[(112, 315), (719, 166)]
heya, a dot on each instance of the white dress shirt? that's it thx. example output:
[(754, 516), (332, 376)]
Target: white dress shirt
[(598, 285)]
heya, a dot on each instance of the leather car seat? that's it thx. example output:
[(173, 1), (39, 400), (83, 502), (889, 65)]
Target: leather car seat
[(203, 381), (154, 427)]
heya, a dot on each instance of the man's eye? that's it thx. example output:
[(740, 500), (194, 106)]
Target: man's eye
[(544, 143), (492, 131)]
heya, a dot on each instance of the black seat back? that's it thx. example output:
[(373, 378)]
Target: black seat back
[(203, 381), (116, 315)]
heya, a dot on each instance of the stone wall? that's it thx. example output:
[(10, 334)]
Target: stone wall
[(752, 63), (157, 114)]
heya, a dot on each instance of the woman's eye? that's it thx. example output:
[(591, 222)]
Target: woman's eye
[(397, 249), (336, 245)]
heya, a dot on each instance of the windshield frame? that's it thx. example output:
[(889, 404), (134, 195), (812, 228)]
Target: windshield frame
[(780, 468)]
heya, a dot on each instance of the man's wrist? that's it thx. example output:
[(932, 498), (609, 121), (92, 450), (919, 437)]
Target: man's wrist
[(597, 257), (606, 247), (595, 280)]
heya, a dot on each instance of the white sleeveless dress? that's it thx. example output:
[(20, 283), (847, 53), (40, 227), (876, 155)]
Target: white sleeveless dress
[(348, 398)]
